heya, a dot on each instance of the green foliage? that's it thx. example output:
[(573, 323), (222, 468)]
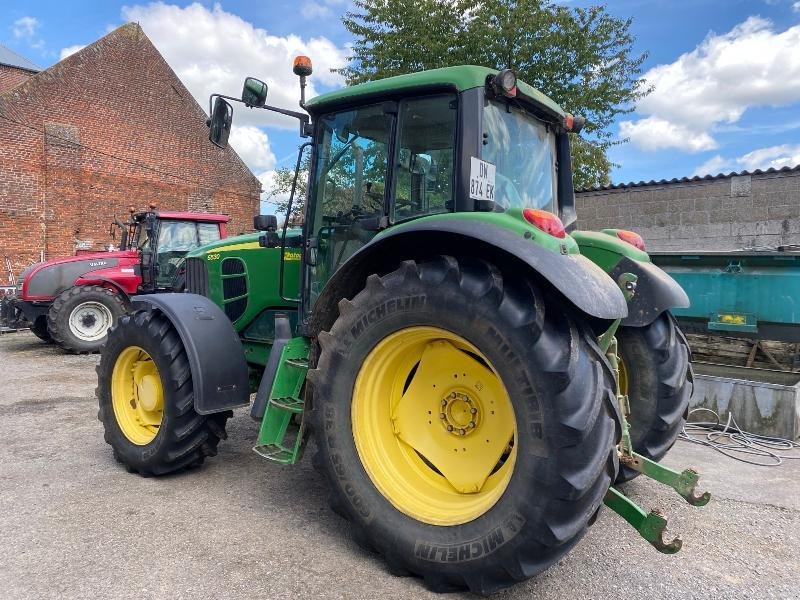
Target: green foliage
[(581, 57), (280, 188)]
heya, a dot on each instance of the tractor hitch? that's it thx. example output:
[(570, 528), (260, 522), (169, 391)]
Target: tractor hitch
[(651, 526), (684, 482)]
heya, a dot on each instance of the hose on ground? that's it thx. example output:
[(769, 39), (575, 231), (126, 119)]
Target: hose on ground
[(729, 439)]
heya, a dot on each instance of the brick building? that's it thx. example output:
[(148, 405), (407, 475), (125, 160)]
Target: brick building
[(108, 127), (14, 69), (758, 209)]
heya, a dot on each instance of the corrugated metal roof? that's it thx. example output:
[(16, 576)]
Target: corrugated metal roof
[(636, 184), (12, 59)]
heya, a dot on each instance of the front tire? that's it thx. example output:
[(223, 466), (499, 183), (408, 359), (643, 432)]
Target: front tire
[(80, 317), (456, 338), (656, 374), (145, 393)]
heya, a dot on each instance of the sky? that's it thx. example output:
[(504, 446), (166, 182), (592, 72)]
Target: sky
[(725, 73)]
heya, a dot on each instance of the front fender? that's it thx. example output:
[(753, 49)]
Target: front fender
[(215, 352), (578, 279)]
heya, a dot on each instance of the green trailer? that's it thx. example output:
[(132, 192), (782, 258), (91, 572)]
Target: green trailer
[(741, 293)]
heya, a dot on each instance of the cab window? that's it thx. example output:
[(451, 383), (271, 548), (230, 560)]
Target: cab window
[(207, 233), (425, 156), (352, 151)]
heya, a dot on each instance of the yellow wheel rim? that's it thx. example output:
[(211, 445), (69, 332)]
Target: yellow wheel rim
[(623, 376), (137, 395), (434, 426)]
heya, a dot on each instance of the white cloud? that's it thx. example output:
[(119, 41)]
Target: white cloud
[(784, 155), (653, 133), (751, 65), (69, 50), (314, 9), (796, 7), (252, 145), (25, 27), (212, 50)]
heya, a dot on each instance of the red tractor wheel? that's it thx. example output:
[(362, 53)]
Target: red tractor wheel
[(80, 317)]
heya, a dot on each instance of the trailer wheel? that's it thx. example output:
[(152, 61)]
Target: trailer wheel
[(656, 374), (39, 329), (145, 392), (467, 426), (81, 316)]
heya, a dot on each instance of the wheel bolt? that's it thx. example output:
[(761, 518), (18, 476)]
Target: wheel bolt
[(461, 432), (452, 395), (444, 402), (473, 410), (449, 428), (442, 415), (472, 424)]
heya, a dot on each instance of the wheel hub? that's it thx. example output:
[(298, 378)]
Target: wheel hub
[(459, 414), (434, 426), (90, 321), (137, 395)]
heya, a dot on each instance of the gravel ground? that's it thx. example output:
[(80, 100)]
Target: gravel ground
[(75, 524)]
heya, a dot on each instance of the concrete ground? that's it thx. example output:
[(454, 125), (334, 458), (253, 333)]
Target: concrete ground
[(75, 524)]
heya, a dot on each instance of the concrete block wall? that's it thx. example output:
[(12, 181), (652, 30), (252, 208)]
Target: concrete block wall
[(732, 212)]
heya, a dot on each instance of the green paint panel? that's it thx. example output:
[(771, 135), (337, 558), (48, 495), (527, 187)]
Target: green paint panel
[(457, 78), (261, 272), (728, 288)]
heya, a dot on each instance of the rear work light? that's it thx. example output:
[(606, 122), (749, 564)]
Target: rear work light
[(631, 237), (546, 221)]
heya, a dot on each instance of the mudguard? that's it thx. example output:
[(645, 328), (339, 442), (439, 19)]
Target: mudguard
[(656, 292), (578, 279), (215, 353)]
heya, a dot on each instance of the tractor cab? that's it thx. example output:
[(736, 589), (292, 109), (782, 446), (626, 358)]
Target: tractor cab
[(454, 140), (162, 240)]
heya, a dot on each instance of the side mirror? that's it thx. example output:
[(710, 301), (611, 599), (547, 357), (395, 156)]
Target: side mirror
[(220, 123), (265, 222), (254, 92)]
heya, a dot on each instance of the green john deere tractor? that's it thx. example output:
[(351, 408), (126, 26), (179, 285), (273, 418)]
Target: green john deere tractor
[(475, 372)]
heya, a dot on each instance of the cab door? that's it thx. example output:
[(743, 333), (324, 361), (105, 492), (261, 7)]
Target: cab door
[(349, 188)]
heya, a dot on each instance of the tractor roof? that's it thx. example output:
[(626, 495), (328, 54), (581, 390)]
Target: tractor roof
[(457, 78), (192, 216)]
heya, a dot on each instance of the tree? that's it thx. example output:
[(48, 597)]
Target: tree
[(582, 58)]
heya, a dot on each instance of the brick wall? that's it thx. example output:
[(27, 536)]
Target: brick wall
[(106, 128), (761, 209), (11, 77)]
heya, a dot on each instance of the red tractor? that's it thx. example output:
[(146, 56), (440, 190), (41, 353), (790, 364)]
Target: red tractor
[(73, 301)]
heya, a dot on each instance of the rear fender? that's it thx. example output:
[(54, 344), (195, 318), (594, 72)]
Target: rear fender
[(215, 352), (656, 292), (581, 282)]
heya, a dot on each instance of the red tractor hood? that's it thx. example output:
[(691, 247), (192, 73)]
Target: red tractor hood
[(46, 280)]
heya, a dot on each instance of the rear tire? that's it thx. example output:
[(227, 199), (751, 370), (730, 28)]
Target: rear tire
[(660, 380), (81, 316), (563, 452), (161, 433), (39, 329)]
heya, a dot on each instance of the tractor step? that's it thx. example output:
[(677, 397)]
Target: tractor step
[(279, 439)]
